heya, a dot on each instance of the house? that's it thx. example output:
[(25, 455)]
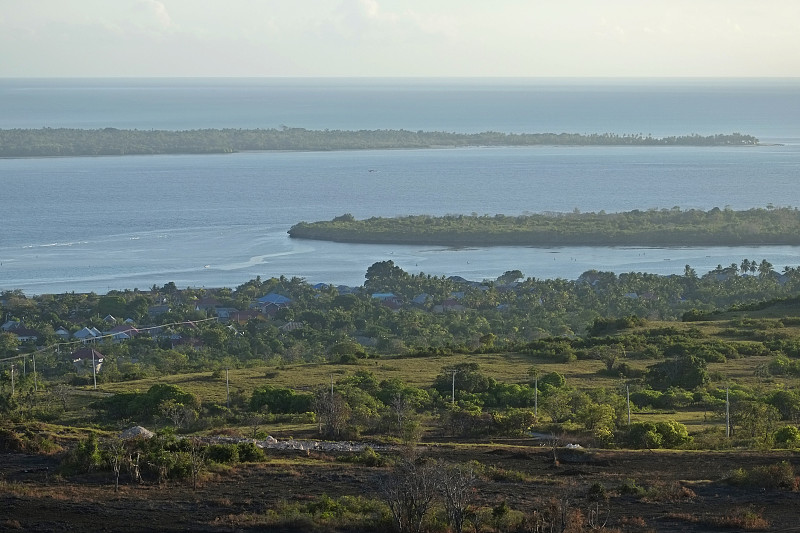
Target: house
[(421, 299), (11, 325), (449, 305), (155, 310), (242, 317), (225, 312), (62, 333), (271, 303), (87, 334), (291, 326), (84, 358), (207, 304), (25, 334), (122, 332), (389, 300), (276, 299)]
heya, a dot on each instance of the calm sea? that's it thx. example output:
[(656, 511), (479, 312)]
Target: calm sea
[(95, 224)]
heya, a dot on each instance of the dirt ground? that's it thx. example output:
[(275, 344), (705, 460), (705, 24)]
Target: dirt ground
[(677, 491)]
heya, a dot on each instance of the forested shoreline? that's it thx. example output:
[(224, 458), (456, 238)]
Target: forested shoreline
[(665, 227), (63, 142)]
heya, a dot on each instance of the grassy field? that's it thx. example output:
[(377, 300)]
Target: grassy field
[(508, 367)]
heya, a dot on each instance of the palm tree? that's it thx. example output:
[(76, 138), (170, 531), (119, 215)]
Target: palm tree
[(764, 268), (745, 266)]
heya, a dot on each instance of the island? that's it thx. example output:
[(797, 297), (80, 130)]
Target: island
[(62, 142), (653, 227)]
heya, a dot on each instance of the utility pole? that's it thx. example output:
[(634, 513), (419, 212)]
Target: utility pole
[(453, 397), (628, 400), (536, 396), (35, 388), (331, 386), (12, 379), (94, 370), (227, 391), (727, 412)]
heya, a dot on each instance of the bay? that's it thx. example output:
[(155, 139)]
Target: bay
[(96, 224)]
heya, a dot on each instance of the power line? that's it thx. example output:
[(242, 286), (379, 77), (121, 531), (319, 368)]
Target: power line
[(106, 336)]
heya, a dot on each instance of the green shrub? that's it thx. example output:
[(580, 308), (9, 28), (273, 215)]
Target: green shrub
[(788, 437), (630, 487), (85, 457), (250, 453), (223, 453), (669, 434), (778, 475)]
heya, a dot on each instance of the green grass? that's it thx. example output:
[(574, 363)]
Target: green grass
[(506, 367)]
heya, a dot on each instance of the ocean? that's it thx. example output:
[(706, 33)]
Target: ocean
[(97, 224)]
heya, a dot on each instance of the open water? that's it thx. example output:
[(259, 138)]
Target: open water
[(95, 224)]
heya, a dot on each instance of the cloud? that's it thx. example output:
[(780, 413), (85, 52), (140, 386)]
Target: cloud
[(364, 20), (149, 16)]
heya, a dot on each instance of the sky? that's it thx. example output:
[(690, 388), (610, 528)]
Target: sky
[(400, 38)]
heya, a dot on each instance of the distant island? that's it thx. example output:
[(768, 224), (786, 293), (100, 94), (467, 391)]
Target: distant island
[(55, 142), (664, 227)]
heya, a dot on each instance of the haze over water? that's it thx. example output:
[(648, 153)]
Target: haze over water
[(94, 224)]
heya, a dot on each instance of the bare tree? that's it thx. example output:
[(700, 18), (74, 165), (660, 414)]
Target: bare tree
[(178, 413), (332, 411), (197, 459), (61, 393), (115, 452), (409, 491), (457, 486), (401, 407)]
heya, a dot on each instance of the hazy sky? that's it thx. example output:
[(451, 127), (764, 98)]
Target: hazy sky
[(399, 38)]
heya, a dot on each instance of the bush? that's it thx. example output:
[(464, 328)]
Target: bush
[(250, 453), (788, 437), (778, 475), (85, 457), (669, 434), (224, 453), (368, 457)]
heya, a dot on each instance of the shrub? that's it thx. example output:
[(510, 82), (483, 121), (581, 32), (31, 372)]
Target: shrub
[(223, 453), (778, 475), (669, 434), (250, 453), (368, 457), (85, 457), (630, 487), (788, 437)]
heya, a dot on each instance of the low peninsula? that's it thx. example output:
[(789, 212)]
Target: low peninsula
[(65, 142), (653, 227)]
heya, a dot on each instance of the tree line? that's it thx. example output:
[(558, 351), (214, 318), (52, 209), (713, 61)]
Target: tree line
[(46, 142), (653, 227)]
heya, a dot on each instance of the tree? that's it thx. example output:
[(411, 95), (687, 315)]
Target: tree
[(510, 276), (384, 275), (686, 371), (176, 412), (9, 344), (332, 412), (457, 486), (745, 266), (764, 268), (197, 453), (409, 491), (115, 455)]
